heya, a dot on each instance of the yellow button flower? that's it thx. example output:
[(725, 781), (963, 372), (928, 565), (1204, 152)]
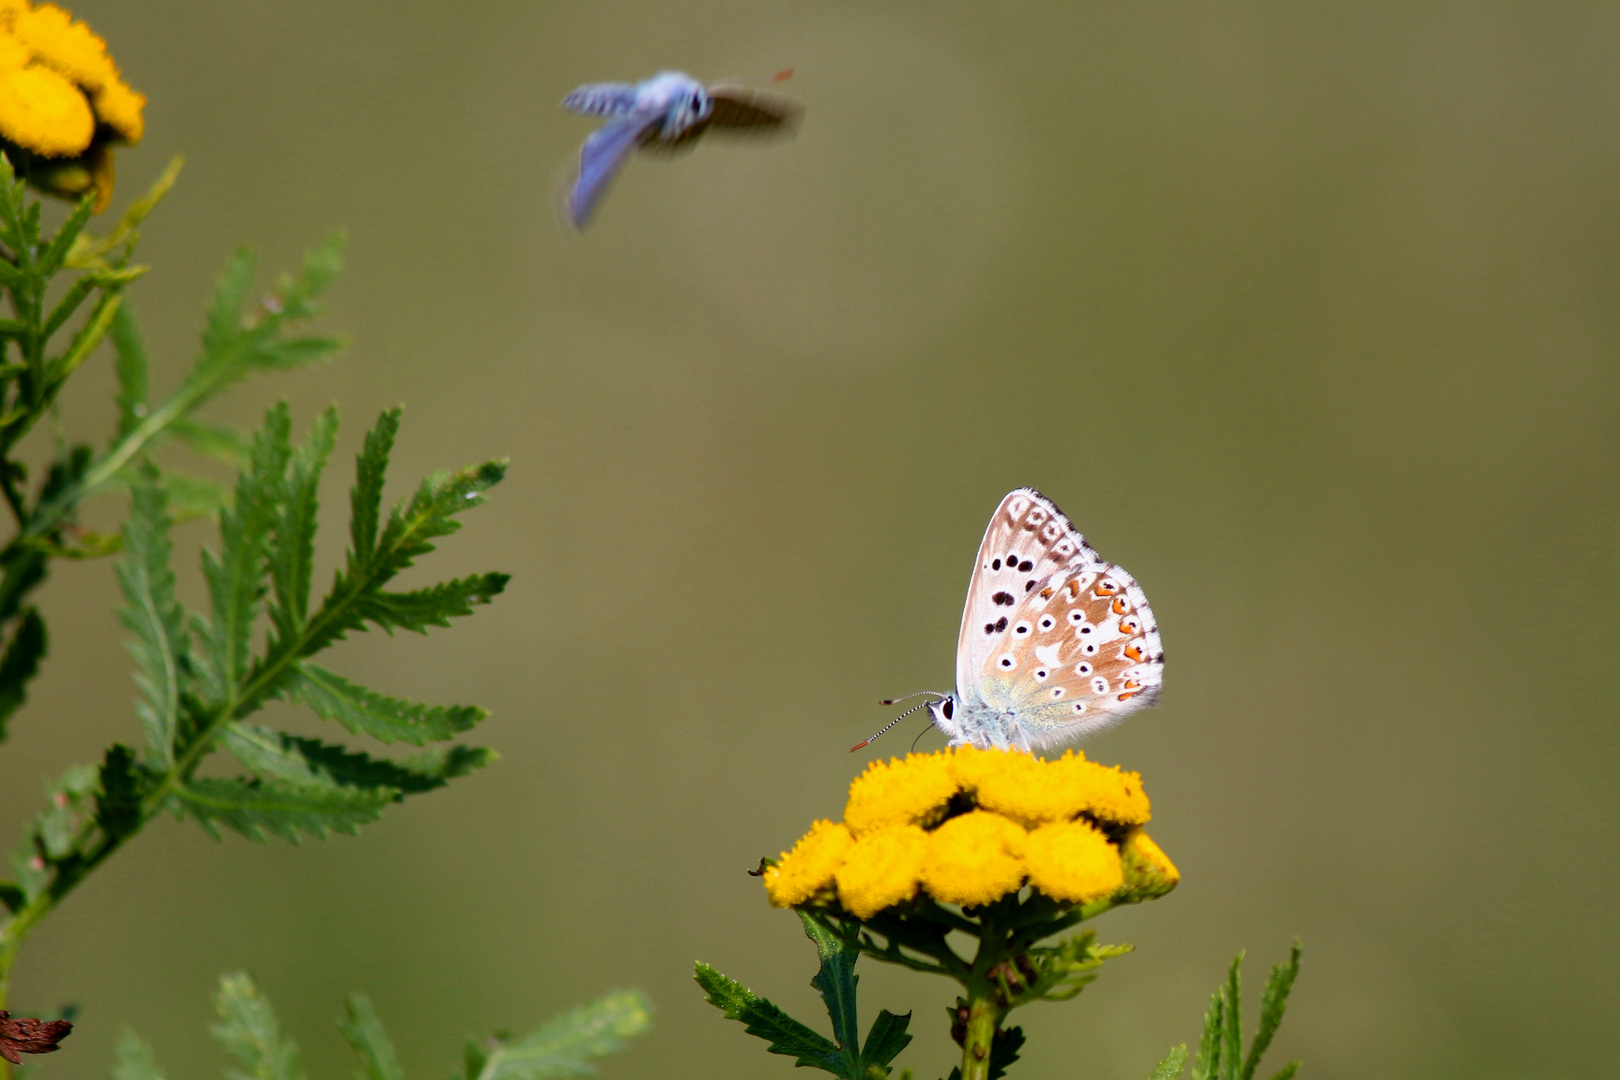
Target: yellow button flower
[(969, 826), (810, 866), (1148, 870), (1073, 861), (63, 102), (974, 859), (882, 869), (913, 791)]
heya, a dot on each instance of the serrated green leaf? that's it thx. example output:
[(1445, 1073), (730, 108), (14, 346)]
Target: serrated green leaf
[(153, 615), (133, 1059), (236, 575), (213, 441), (1232, 1022), (87, 250), (764, 1020), (365, 498), (130, 365), (292, 557), (1005, 1045), (835, 981), (567, 1045), (1272, 1006), (250, 1032), (1170, 1067), (434, 606), (279, 756), (432, 511), (50, 260), (224, 320), (365, 1034), (1207, 1064), (884, 1041), (118, 803), (386, 719), (259, 809), (20, 664)]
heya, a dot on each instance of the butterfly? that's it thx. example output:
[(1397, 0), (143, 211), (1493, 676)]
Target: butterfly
[(667, 112), (1055, 643)]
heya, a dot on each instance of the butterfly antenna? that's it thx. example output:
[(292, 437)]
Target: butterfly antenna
[(891, 723), (919, 693)]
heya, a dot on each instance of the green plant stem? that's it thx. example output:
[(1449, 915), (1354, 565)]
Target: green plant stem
[(984, 1014)]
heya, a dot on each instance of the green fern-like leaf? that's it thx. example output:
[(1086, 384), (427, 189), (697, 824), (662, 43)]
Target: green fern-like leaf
[(293, 554), (568, 1045), (251, 1033), (385, 719), (133, 1059), (1170, 1067), (20, 664), (365, 1034), (258, 809), (151, 613), (763, 1019)]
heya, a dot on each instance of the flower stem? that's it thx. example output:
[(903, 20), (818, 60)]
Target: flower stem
[(984, 1012)]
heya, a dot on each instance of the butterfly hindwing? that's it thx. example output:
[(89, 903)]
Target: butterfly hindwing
[(599, 160), (1055, 642)]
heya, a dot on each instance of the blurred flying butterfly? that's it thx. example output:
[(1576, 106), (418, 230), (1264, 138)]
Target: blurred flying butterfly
[(667, 112), (1055, 643)]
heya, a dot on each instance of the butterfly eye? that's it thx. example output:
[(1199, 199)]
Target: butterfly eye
[(948, 708)]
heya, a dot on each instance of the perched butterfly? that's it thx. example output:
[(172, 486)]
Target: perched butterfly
[(1055, 643), (667, 112)]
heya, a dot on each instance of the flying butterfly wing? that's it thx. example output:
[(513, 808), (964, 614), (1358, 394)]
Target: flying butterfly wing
[(743, 111), (1055, 640), (599, 161), (602, 99)]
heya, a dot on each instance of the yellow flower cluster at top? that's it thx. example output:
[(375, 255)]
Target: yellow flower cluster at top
[(968, 826), (62, 97)]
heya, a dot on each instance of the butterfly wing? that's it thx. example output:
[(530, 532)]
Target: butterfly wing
[(599, 161), (743, 111), (1055, 642), (602, 99)]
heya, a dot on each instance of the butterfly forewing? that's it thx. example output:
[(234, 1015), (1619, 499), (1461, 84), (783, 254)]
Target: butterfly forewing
[(1055, 642)]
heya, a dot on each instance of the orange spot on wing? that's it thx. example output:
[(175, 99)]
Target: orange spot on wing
[(1133, 653), (1120, 606), (1046, 593), (1074, 588), (1107, 588)]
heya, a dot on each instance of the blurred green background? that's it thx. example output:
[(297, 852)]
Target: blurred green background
[(1305, 314)]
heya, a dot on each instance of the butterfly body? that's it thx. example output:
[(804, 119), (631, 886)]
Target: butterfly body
[(1056, 643), (664, 113)]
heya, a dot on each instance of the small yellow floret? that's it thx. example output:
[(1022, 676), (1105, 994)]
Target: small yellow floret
[(13, 53), (899, 792), (1016, 784), (41, 110), (119, 108), (974, 859), (810, 866), (882, 869), (1071, 860), (1105, 792), (1148, 870), (69, 46)]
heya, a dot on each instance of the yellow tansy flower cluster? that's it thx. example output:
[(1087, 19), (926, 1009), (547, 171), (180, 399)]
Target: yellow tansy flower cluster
[(63, 102), (968, 826)]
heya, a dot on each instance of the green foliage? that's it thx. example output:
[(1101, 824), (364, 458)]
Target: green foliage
[(251, 1033), (201, 676), (844, 1055), (1220, 1051)]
